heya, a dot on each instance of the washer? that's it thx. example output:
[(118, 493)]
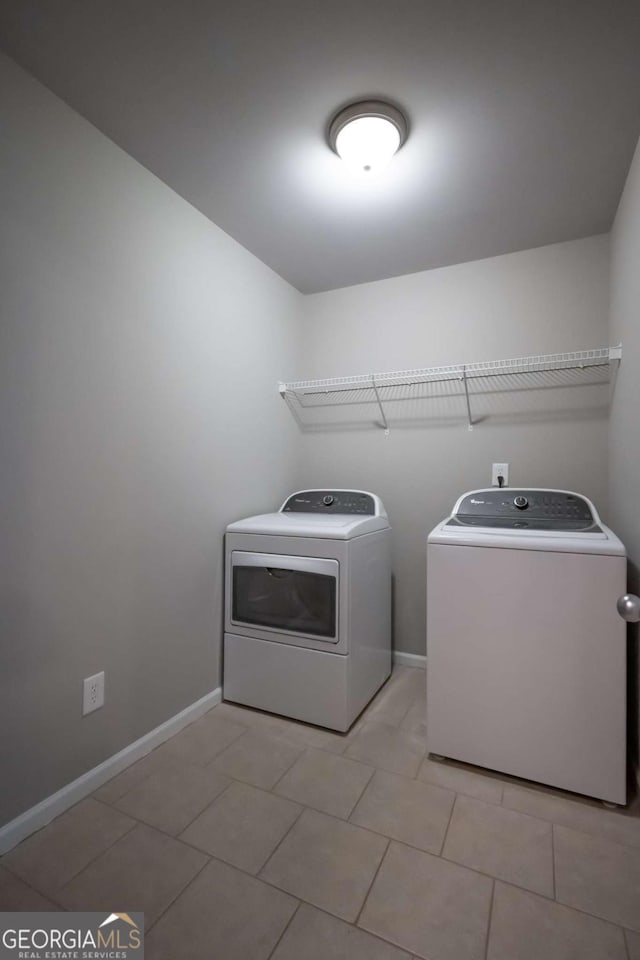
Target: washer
[(308, 607), (526, 652)]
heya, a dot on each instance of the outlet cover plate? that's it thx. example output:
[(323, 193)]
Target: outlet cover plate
[(92, 693), (500, 470)]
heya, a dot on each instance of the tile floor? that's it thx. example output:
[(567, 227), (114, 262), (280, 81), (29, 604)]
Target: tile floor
[(248, 837)]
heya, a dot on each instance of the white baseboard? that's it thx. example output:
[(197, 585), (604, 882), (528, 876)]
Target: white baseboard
[(36, 817), (409, 659)]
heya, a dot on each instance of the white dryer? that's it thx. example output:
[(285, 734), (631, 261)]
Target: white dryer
[(308, 607), (526, 652)]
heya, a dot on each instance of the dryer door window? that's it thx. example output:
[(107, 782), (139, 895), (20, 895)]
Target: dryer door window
[(297, 595)]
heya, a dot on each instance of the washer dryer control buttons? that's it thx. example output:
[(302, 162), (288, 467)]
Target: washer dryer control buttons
[(340, 501), (521, 502)]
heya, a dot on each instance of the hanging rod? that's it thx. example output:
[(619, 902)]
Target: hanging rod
[(376, 382)]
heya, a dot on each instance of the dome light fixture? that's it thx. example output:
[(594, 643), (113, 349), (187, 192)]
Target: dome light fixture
[(367, 134)]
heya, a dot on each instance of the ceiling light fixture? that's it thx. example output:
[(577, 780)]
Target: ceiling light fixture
[(367, 134)]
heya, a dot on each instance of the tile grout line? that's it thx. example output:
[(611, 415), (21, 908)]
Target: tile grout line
[(463, 793), (326, 813), (363, 930), (169, 758), (145, 777), (179, 893), (218, 754), (272, 788), (586, 833), (489, 920), (256, 727), (258, 875), (179, 839), (135, 824), (385, 836), (305, 750), (556, 903), (194, 766), (491, 876), (211, 803), (446, 832), (370, 887), (52, 896), (597, 833), (400, 721), (362, 792), (30, 886), (189, 727), (286, 927)]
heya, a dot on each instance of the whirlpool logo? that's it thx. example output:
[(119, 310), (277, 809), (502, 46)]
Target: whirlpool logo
[(80, 936)]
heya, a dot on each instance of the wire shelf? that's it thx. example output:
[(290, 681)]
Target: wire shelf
[(465, 380)]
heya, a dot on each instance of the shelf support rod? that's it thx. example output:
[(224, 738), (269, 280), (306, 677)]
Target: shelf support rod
[(466, 396), (284, 393), (382, 414), (615, 356)]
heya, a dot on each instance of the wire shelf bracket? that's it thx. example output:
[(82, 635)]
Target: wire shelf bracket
[(369, 388)]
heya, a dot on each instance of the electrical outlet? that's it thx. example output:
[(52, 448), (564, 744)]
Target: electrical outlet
[(92, 693), (500, 470)]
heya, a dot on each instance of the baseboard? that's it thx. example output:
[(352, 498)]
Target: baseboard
[(409, 659), (36, 817)]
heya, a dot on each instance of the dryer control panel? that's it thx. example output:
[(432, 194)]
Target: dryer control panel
[(521, 508), (331, 501)]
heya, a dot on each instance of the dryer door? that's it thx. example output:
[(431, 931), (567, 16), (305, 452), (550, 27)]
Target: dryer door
[(293, 595)]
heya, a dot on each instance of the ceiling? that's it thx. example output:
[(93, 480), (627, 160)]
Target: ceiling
[(524, 115)]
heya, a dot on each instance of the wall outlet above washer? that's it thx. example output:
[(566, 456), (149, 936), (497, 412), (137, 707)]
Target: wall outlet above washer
[(500, 470)]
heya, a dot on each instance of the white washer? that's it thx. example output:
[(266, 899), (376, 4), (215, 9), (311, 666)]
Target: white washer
[(308, 607), (526, 652)]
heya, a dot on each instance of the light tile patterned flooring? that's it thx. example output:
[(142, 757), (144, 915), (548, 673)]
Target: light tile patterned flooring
[(248, 837)]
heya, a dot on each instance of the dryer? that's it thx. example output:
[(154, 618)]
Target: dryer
[(526, 652), (308, 607)]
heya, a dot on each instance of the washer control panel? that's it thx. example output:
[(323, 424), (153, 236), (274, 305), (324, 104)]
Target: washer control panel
[(331, 501), (536, 509)]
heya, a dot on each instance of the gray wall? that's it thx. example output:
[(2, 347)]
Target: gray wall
[(140, 347), (541, 301), (624, 428)]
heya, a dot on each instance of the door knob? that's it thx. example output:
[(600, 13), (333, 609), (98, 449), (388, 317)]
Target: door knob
[(629, 607)]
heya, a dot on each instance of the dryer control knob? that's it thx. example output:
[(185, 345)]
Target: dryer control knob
[(328, 500), (521, 503)]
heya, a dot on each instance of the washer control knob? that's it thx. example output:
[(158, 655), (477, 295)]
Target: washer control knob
[(328, 500), (521, 502)]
